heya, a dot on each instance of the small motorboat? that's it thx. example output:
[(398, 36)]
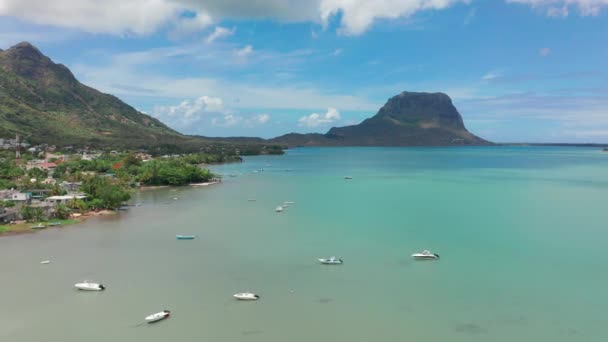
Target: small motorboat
[(246, 296), (185, 237), (44, 262), (158, 316), (175, 198), (88, 286), (348, 177), (279, 209), (331, 261), (55, 224), (425, 255), (251, 199), (288, 202), (38, 226)]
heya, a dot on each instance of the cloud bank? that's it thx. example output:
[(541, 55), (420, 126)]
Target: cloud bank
[(316, 120)]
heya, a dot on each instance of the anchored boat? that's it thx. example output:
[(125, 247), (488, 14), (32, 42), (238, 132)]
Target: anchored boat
[(89, 286), (185, 237), (158, 316), (331, 261), (246, 296), (425, 255)]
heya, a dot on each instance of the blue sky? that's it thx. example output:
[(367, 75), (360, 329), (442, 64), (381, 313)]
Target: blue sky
[(517, 70)]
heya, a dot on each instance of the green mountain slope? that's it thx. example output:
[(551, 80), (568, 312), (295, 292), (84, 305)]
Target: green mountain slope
[(43, 101)]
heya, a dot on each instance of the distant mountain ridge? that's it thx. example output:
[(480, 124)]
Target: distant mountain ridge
[(407, 119), (44, 102)]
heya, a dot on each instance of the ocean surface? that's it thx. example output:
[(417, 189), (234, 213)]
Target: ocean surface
[(522, 233)]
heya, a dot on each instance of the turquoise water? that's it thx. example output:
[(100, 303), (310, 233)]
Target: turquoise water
[(521, 232)]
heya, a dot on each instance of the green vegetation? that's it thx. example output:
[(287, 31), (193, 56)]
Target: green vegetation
[(6, 204), (30, 213), (44, 103), (107, 194)]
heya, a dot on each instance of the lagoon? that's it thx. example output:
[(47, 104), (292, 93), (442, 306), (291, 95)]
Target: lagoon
[(521, 232)]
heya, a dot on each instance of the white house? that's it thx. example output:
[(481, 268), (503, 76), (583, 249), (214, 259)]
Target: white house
[(64, 199), (21, 196)]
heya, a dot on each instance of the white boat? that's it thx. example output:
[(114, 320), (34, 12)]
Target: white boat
[(279, 209), (44, 262), (425, 255), (288, 202), (331, 261), (246, 296), (88, 286), (158, 316)]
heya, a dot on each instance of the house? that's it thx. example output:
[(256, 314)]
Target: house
[(7, 194), (64, 199), (39, 193), (22, 197)]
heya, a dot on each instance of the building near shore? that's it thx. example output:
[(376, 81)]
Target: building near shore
[(63, 199)]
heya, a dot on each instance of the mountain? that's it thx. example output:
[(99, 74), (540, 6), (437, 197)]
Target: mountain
[(45, 103), (408, 119)]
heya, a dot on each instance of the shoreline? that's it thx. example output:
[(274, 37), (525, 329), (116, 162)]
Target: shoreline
[(24, 227), (194, 185)]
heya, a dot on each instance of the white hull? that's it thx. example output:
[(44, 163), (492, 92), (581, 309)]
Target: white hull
[(158, 316), (89, 287), (425, 255), (278, 209), (246, 296), (331, 261)]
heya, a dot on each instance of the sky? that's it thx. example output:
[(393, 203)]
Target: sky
[(517, 70)]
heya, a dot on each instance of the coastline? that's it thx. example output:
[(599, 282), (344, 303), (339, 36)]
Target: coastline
[(23, 227), (194, 185)]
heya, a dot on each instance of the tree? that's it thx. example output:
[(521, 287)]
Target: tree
[(26, 212), (96, 204), (77, 204), (62, 211), (37, 173), (32, 213)]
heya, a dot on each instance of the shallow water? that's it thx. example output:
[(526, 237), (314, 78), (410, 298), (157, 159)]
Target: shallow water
[(521, 232)]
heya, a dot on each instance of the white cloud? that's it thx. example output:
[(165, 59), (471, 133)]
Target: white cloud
[(558, 12), (560, 8), (196, 116), (544, 52), (262, 118), (315, 120), (358, 15), (219, 32), (336, 52), (188, 112), (492, 75), (117, 17), (140, 17), (246, 51), (470, 17)]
